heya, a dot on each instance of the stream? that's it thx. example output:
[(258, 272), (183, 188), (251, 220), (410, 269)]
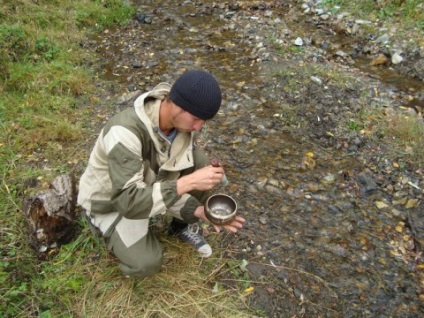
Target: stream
[(323, 237)]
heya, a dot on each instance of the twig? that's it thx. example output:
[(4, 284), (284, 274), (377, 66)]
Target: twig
[(325, 283)]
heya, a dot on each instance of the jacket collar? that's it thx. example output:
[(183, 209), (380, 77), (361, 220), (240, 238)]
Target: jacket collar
[(181, 154)]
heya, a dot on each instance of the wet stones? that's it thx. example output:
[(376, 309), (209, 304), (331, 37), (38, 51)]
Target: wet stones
[(299, 212), (143, 18), (366, 182)]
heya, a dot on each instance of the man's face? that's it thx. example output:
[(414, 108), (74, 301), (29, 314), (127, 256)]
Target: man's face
[(185, 122)]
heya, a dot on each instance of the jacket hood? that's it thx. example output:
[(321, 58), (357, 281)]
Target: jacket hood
[(181, 154)]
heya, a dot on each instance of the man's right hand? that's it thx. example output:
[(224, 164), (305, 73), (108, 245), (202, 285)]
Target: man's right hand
[(203, 179)]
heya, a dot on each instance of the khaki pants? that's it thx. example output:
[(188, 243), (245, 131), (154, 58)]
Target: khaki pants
[(145, 257)]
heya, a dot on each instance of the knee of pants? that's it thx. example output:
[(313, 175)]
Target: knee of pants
[(143, 267), (144, 258)]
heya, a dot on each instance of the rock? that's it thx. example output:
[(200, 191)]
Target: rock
[(316, 80), (298, 41), (397, 58), (329, 178), (137, 64), (380, 60), (381, 205), (366, 182), (418, 68), (128, 99), (359, 21), (384, 39)]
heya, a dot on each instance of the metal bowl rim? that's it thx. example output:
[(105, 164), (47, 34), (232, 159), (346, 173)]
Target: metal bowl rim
[(220, 216)]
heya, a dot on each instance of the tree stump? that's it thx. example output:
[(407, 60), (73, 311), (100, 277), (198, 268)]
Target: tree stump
[(51, 216)]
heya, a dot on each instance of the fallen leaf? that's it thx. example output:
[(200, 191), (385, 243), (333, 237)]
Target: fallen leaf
[(412, 203), (243, 265), (399, 228), (215, 288), (308, 162), (401, 201), (380, 60), (249, 289), (409, 182), (381, 205)]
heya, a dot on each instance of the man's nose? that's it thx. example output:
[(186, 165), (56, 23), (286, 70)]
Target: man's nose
[(198, 125)]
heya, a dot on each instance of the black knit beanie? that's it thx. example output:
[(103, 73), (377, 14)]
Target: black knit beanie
[(198, 93)]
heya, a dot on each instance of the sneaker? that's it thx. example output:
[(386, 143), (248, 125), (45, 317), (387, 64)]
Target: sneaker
[(192, 234)]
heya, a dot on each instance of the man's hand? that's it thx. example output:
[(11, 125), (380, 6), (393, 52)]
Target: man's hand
[(233, 227), (203, 179)]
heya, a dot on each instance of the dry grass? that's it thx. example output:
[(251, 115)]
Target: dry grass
[(406, 132), (184, 288)]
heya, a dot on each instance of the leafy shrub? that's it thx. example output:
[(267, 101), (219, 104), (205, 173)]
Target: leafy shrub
[(13, 42), (46, 49), (113, 13), (13, 46)]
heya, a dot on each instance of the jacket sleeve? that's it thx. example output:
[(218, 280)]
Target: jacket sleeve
[(131, 196)]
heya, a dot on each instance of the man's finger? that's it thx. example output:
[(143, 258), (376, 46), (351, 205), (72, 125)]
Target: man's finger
[(230, 228)]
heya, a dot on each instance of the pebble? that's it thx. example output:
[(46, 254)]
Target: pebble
[(298, 41)]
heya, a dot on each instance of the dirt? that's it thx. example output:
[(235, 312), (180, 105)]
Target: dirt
[(333, 216)]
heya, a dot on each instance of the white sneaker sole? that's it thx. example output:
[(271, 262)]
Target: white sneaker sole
[(205, 251)]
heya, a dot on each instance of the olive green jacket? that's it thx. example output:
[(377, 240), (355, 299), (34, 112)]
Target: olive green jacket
[(132, 171)]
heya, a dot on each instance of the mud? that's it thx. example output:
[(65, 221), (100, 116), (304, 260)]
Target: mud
[(333, 217)]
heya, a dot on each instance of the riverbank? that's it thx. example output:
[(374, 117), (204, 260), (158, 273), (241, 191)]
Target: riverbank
[(322, 149), (333, 206)]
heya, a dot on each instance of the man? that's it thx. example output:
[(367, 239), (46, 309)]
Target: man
[(144, 164)]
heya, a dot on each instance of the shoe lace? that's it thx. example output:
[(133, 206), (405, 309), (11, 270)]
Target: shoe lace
[(193, 235), (193, 228)]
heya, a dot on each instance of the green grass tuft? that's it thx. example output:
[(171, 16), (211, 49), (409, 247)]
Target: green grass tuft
[(410, 13)]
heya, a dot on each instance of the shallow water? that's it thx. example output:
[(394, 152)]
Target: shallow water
[(316, 243)]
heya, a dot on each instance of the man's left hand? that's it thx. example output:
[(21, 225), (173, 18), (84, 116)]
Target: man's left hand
[(233, 227)]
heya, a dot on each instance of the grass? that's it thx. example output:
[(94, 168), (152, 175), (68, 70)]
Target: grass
[(184, 288), (406, 133), (401, 131), (46, 118), (409, 13)]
